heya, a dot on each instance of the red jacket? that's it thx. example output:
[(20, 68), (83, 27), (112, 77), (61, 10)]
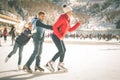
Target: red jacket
[(62, 26)]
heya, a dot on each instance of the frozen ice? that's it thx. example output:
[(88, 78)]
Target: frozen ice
[(85, 60)]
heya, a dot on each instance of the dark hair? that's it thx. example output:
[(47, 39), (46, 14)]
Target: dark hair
[(41, 13), (64, 5), (12, 25)]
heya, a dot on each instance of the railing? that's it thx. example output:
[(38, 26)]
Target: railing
[(7, 19)]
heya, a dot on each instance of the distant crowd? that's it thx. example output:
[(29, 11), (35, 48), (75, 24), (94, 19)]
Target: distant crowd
[(82, 36), (99, 36), (6, 32)]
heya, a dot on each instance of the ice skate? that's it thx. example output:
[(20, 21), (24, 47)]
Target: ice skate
[(61, 67), (28, 69), (6, 59), (19, 67), (39, 68), (50, 67)]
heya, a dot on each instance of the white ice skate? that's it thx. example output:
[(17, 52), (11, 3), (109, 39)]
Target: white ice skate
[(19, 67), (50, 66), (61, 68), (6, 59)]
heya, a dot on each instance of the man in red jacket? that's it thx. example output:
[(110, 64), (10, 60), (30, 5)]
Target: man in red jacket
[(60, 29)]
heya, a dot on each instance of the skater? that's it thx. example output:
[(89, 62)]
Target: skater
[(0, 37), (20, 41), (60, 29), (5, 34), (12, 33), (38, 38)]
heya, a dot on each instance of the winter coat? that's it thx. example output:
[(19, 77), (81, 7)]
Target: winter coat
[(62, 26), (24, 37), (39, 26)]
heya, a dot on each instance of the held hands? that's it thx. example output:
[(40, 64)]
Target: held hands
[(34, 31)]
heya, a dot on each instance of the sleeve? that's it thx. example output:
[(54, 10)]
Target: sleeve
[(40, 24), (57, 25), (74, 27)]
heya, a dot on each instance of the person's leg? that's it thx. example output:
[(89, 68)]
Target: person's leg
[(38, 58), (35, 52), (61, 64), (62, 54), (13, 39), (32, 57), (59, 46), (0, 40), (20, 54), (12, 52), (5, 38)]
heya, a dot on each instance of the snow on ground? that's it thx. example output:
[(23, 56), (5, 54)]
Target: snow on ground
[(84, 60)]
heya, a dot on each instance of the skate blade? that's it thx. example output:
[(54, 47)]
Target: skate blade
[(19, 69), (39, 71), (26, 70), (62, 71)]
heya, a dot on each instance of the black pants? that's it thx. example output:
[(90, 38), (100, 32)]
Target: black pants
[(61, 48), (5, 37)]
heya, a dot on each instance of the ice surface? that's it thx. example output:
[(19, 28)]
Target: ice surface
[(84, 60)]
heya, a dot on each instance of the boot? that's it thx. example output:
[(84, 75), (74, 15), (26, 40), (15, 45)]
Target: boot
[(19, 67), (39, 68), (6, 59), (50, 66), (28, 69), (61, 67)]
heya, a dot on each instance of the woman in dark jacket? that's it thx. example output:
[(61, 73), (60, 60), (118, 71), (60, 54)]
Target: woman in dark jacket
[(5, 34), (20, 41), (12, 33)]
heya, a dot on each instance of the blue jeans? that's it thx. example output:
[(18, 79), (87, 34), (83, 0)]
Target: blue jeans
[(38, 44), (61, 48), (16, 46)]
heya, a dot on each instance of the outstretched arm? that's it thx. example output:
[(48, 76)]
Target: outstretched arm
[(75, 26), (40, 24)]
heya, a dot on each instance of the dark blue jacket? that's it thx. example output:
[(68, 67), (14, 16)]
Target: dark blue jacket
[(24, 37)]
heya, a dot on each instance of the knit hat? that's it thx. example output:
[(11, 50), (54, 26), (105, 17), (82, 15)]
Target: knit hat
[(66, 8)]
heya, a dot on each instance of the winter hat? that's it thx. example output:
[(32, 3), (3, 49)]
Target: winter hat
[(66, 8)]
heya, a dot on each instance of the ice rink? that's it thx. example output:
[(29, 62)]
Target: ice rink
[(85, 60)]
